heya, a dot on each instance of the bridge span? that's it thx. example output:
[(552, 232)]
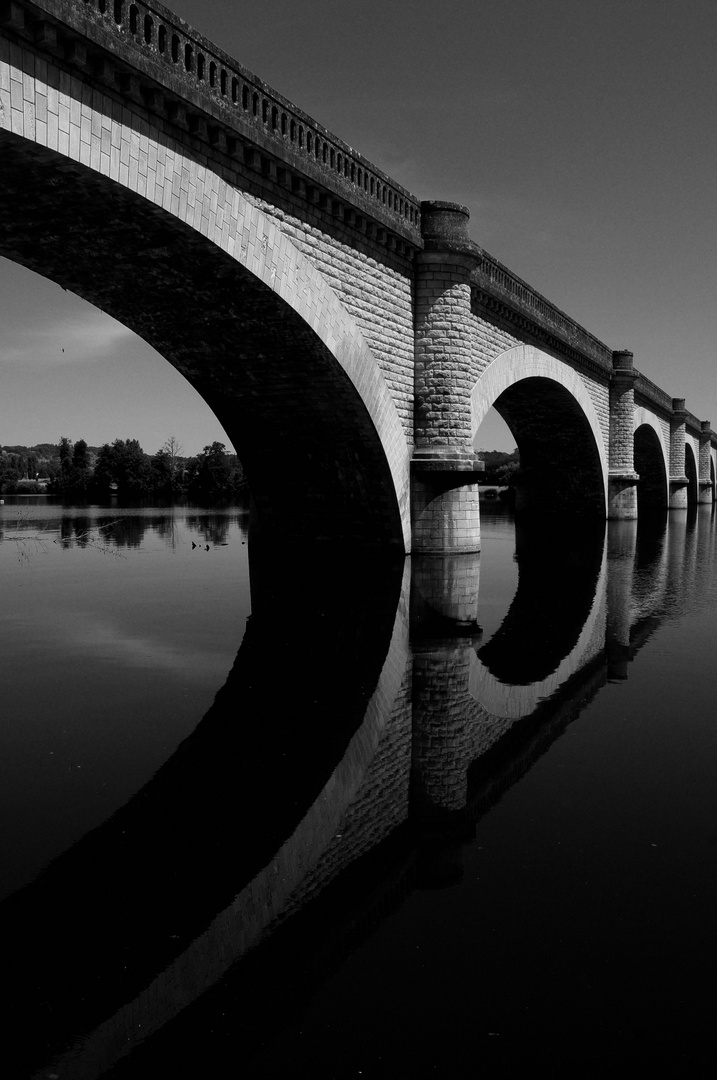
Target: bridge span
[(349, 337)]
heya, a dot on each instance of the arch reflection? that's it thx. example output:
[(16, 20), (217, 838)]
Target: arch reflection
[(559, 570), (342, 765)]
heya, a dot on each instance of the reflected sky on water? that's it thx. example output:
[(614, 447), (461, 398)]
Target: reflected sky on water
[(465, 807), (115, 635)]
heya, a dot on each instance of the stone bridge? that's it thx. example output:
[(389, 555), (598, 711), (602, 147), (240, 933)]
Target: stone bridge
[(349, 337)]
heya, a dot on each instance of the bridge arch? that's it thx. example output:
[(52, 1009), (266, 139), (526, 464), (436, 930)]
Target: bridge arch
[(651, 461), (130, 220), (544, 655), (563, 462)]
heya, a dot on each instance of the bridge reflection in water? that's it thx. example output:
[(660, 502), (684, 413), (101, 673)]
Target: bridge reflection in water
[(356, 743)]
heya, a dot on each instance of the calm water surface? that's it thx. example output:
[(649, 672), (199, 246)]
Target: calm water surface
[(117, 628), (449, 818)]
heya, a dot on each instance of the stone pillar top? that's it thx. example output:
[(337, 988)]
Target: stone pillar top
[(622, 360), (623, 371), (444, 221), (444, 227), (678, 405), (706, 426)]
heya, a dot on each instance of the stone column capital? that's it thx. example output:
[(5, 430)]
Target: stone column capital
[(444, 228), (622, 366), (448, 458)]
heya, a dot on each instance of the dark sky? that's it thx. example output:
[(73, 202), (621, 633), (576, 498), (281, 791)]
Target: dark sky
[(580, 133)]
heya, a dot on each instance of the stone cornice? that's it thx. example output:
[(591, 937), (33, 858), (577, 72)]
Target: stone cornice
[(648, 393), (153, 58), (496, 309), (693, 424), (504, 293)]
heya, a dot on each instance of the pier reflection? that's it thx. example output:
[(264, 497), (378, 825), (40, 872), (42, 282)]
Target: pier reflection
[(365, 728)]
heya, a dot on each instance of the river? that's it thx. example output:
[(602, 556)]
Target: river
[(335, 818)]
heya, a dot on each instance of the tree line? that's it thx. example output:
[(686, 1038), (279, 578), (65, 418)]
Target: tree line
[(500, 468), (123, 467)]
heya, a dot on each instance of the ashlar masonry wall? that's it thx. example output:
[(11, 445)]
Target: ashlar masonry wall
[(376, 290), (348, 300)]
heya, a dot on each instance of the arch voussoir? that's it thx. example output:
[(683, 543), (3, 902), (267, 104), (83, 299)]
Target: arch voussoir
[(556, 424), (156, 197)]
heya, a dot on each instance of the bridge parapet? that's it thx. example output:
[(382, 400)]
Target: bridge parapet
[(432, 308), (495, 286), (694, 424), (651, 394), (153, 58)]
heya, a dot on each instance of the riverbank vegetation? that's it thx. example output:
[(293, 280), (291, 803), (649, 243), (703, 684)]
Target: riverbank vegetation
[(79, 470), (500, 468), (121, 467)]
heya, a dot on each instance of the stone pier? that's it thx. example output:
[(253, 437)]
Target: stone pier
[(622, 481), (445, 470), (678, 475)]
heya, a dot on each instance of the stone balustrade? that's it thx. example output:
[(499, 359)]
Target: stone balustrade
[(158, 60)]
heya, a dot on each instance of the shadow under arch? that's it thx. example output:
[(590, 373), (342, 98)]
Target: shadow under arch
[(651, 466), (191, 871), (563, 467), (243, 315), (691, 474), (558, 574)]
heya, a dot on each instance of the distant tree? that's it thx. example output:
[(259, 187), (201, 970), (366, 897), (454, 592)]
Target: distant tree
[(162, 471), (81, 473), (125, 464), (507, 474), (9, 472), (167, 466), (214, 472), (500, 468), (104, 471), (50, 469), (74, 471), (135, 471), (64, 450), (80, 458), (173, 448)]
